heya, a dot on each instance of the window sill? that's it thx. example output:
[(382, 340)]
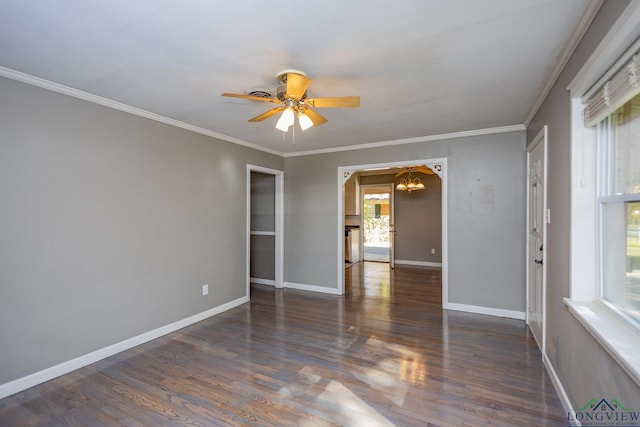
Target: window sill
[(620, 339)]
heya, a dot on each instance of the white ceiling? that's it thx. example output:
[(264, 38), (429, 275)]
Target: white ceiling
[(421, 67)]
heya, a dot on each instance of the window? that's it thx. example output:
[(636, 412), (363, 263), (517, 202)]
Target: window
[(605, 198), (619, 208)]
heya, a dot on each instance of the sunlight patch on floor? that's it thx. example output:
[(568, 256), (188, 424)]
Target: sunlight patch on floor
[(353, 410), (386, 384), (397, 367), (308, 373), (413, 367)]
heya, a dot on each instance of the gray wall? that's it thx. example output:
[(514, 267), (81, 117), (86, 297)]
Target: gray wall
[(263, 218), (418, 218), (584, 368), (110, 225), (486, 214)]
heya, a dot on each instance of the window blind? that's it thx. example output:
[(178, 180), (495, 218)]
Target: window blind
[(623, 85)]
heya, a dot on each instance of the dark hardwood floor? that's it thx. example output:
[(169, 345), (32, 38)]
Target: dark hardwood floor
[(385, 354)]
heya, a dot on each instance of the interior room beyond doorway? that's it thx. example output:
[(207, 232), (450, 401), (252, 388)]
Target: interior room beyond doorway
[(417, 223)]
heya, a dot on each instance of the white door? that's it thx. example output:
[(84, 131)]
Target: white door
[(536, 283)]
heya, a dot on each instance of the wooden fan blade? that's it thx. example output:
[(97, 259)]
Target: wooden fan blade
[(266, 115), (297, 85), (424, 169), (316, 118), (253, 98), (401, 173), (337, 102)]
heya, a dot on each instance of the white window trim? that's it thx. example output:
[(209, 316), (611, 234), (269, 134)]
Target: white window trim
[(617, 336)]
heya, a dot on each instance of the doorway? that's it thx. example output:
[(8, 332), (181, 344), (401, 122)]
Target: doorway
[(438, 166), (264, 227), (377, 223), (536, 237)]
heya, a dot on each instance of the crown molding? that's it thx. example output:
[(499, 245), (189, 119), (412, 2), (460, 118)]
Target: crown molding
[(572, 44), (438, 137), (86, 96)]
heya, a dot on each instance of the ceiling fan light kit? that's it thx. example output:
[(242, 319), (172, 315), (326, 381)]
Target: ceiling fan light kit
[(292, 94), (286, 119), (304, 121)]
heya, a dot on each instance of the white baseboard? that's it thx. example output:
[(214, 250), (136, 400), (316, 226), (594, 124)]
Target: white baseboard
[(499, 312), (419, 263), (311, 288), (562, 394), (268, 282), (47, 374)]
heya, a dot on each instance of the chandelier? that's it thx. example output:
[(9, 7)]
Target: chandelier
[(410, 184)]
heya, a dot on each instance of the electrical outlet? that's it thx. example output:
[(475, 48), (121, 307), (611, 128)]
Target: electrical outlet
[(205, 289), (433, 251)]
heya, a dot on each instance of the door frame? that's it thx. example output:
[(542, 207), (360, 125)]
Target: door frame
[(391, 217), (540, 138), (279, 225), (439, 166)]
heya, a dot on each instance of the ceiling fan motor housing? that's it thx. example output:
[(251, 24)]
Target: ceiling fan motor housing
[(281, 78), (281, 93)]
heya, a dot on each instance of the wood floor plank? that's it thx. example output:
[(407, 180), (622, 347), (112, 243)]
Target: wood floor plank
[(384, 354)]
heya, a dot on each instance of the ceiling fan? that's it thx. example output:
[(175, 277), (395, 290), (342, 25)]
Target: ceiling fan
[(292, 95)]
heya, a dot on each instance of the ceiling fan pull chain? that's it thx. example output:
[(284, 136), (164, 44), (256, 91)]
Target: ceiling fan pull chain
[(293, 135)]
